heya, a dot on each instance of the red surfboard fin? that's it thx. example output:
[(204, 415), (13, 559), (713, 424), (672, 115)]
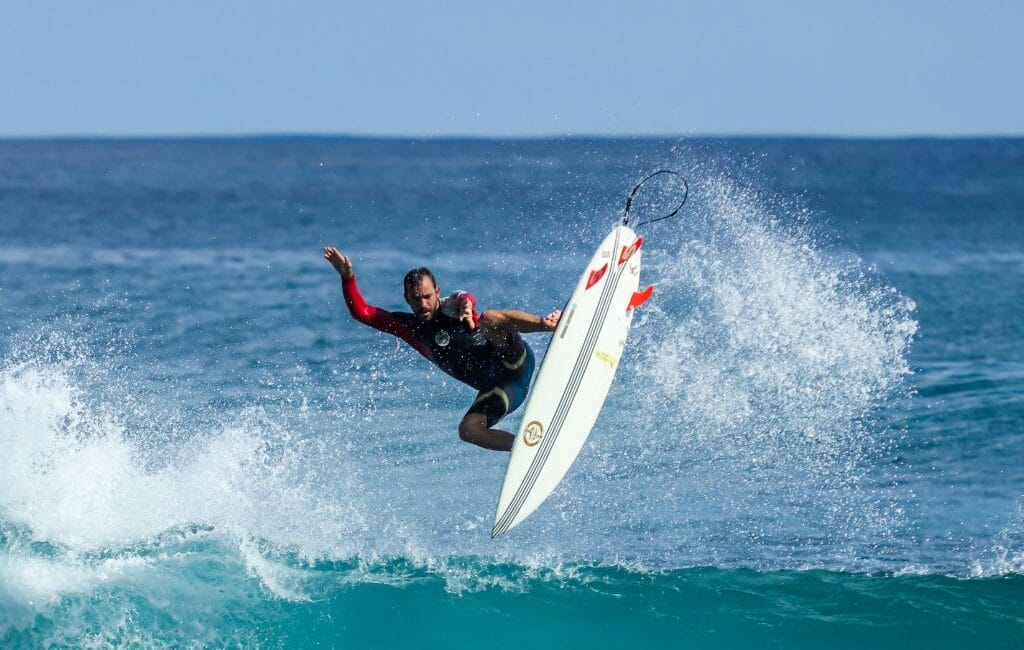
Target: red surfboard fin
[(640, 297)]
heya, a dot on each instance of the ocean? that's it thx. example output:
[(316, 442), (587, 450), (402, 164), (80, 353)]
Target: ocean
[(815, 437)]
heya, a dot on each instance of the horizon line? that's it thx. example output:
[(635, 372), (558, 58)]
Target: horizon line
[(455, 137)]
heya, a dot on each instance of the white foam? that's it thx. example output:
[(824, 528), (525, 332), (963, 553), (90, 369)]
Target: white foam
[(1006, 554), (37, 583), (75, 477), (284, 582), (1001, 561)]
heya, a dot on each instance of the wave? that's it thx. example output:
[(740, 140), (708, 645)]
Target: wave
[(196, 586)]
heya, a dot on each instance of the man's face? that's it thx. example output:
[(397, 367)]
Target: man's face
[(424, 299)]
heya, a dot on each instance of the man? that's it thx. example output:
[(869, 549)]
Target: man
[(485, 350)]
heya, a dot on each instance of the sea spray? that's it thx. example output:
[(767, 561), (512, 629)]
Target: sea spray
[(1005, 555), (758, 369), (74, 477)]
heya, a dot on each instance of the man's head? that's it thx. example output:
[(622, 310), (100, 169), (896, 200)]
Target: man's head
[(421, 293)]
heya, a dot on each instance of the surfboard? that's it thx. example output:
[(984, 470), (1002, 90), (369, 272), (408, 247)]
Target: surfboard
[(574, 377)]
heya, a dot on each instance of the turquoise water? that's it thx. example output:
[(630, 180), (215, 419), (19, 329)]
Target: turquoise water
[(814, 438), (460, 602)]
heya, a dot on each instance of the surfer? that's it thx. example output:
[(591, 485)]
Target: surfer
[(484, 350)]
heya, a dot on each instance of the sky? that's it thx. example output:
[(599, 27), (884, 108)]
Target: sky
[(511, 69)]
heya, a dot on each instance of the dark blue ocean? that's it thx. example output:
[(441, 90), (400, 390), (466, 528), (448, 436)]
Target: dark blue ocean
[(815, 437)]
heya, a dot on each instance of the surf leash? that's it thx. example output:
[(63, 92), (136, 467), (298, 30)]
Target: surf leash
[(629, 200)]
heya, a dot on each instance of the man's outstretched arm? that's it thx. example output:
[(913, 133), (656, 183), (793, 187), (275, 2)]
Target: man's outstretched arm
[(375, 317), (497, 322)]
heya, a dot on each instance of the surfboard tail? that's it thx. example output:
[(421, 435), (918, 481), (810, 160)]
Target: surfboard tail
[(505, 521)]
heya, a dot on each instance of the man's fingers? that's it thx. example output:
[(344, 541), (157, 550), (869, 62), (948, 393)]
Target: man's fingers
[(551, 321), (341, 263), (467, 315), (335, 257)]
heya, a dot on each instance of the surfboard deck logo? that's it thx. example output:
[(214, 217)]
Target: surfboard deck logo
[(533, 433)]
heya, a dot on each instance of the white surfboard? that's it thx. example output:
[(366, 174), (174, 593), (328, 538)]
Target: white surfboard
[(574, 378)]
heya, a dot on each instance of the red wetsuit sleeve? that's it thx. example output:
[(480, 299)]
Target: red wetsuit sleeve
[(377, 318)]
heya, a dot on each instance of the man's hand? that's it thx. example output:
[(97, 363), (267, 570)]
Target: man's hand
[(341, 263), (551, 320), (466, 314)]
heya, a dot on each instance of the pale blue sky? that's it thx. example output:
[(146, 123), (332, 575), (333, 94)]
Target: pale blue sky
[(188, 67)]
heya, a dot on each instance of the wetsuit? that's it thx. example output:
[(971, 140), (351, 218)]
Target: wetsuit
[(501, 374)]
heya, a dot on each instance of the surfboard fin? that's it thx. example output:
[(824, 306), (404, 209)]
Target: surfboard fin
[(640, 297)]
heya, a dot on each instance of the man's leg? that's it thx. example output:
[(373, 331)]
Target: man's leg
[(492, 405), (474, 429)]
